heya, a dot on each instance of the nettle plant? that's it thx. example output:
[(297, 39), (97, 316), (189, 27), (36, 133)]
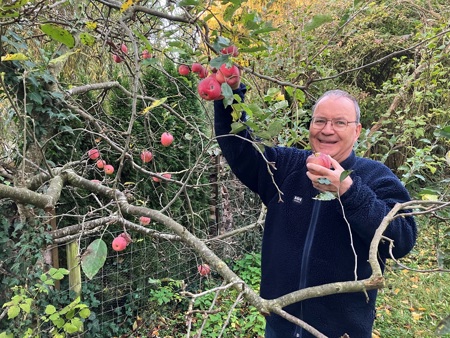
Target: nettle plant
[(28, 317)]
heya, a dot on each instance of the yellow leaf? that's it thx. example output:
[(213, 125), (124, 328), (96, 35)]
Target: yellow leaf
[(422, 309), (91, 25), (416, 316), (428, 197), (127, 4), (447, 157), (396, 291), (14, 57)]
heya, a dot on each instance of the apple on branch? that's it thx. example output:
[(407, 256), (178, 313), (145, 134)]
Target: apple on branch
[(209, 89), (166, 139), (183, 70), (230, 75)]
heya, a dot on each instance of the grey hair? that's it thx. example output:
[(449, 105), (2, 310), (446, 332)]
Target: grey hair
[(340, 93)]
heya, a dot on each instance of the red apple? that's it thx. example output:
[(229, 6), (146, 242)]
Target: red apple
[(146, 156), (203, 73), (196, 67), (209, 89), (144, 220), (100, 164), (124, 48), (117, 58), (146, 54), (230, 50), (166, 139), (119, 243), (94, 154), (203, 269), (229, 75), (109, 169), (156, 179), (183, 70), (167, 175), (319, 158)]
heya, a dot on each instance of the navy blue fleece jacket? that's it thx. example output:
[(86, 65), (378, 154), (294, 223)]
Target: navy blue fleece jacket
[(307, 242)]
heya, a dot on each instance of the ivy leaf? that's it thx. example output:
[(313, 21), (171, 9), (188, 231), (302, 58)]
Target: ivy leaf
[(94, 258), (58, 34)]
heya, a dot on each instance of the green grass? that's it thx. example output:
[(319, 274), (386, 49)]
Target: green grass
[(413, 303)]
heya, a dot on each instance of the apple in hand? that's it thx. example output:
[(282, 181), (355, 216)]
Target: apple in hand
[(229, 75), (320, 159), (209, 89), (204, 269), (166, 139)]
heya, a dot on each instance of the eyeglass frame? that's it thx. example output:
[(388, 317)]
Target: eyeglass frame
[(332, 123)]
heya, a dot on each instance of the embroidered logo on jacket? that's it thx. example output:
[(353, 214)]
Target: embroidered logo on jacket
[(297, 199)]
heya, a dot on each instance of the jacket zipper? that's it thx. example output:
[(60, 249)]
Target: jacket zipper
[(305, 258)]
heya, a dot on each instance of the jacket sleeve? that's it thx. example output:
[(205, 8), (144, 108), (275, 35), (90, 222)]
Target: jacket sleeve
[(367, 203), (244, 159)]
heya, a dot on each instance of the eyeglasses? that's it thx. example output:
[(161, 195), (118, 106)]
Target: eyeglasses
[(337, 124)]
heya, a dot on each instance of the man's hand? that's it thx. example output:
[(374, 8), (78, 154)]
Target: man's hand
[(316, 171)]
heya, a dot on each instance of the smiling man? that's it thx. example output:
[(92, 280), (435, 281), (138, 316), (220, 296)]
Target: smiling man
[(308, 242)]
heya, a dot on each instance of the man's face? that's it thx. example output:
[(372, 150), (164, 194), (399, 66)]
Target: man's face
[(337, 144)]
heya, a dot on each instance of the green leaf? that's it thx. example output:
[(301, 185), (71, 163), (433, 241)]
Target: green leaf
[(275, 128), (58, 34), (94, 258), (317, 21), (188, 3), (87, 39), (325, 196), (237, 127), (50, 309), (70, 328), (13, 311), (84, 313), (344, 175), (220, 60), (324, 180), (62, 58), (229, 12)]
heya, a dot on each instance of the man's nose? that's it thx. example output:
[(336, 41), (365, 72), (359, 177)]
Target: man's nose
[(328, 128)]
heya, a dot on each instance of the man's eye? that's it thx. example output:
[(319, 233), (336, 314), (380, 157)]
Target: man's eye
[(340, 123), (320, 121)]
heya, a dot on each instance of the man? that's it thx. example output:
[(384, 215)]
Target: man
[(308, 242)]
